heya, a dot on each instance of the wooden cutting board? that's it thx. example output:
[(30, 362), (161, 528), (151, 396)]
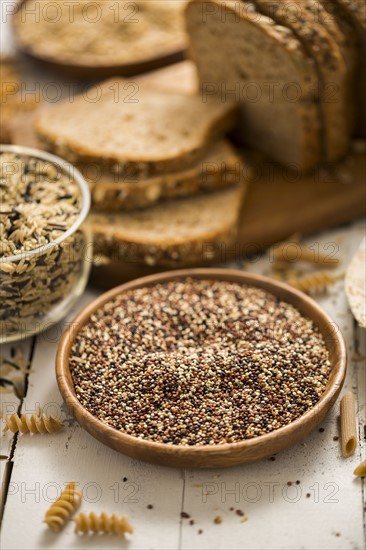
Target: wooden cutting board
[(278, 204)]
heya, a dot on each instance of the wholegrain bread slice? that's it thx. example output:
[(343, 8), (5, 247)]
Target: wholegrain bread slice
[(136, 132), (102, 32), (221, 167), (351, 14), (190, 230), (357, 10), (306, 18), (265, 66)]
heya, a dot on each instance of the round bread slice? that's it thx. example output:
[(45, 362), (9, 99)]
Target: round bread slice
[(304, 18), (191, 230), (136, 132), (102, 32), (221, 167), (265, 67)]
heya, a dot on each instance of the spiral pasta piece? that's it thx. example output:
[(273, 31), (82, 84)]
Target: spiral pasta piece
[(33, 423), (92, 523), (63, 508), (314, 283), (361, 469)]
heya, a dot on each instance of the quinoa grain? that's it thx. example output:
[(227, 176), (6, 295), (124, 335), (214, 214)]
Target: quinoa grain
[(198, 362)]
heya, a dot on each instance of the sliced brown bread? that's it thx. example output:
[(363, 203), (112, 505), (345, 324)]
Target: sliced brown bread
[(136, 132), (357, 10), (266, 67), (351, 14), (304, 18), (190, 230), (221, 167)]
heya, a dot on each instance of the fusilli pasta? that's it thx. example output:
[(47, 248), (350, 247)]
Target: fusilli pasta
[(86, 523), (313, 283), (63, 508), (33, 423)]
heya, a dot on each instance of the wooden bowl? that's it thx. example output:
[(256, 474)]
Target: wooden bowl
[(80, 70), (209, 456)]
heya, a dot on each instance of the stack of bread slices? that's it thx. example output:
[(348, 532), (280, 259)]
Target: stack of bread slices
[(297, 68), (166, 185)]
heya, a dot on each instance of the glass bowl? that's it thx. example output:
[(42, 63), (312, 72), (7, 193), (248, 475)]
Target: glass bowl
[(38, 287)]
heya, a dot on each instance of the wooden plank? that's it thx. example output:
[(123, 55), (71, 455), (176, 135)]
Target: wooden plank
[(10, 403), (110, 482)]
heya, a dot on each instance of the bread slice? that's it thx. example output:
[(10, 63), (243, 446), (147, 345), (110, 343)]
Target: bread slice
[(221, 167), (351, 14), (357, 10), (136, 132), (307, 20), (191, 230), (109, 33), (265, 66)]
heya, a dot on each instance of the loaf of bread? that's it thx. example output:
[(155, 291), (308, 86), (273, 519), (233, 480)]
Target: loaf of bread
[(266, 68), (352, 13), (191, 230), (220, 167), (135, 132), (322, 39)]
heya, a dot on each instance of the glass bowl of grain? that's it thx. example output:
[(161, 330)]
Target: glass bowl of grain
[(45, 241)]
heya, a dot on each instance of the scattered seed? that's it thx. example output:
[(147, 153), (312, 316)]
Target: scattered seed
[(184, 515), (218, 520), (239, 513), (243, 520), (150, 506)]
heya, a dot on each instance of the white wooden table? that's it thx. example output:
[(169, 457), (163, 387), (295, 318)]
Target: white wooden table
[(324, 510)]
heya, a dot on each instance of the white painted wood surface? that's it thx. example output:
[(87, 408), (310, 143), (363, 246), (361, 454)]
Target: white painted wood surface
[(325, 510)]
